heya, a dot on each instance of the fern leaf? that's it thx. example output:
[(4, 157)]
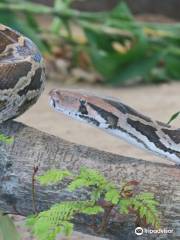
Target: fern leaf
[(96, 195), (6, 139), (78, 183), (145, 204), (124, 205), (93, 176), (88, 178), (112, 196), (93, 210), (49, 223), (53, 176)]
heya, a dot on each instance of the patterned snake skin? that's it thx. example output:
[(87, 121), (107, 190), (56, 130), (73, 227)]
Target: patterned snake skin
[(120, 120), (22, 73)]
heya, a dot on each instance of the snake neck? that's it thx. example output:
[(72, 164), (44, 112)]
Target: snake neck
[(140, 130), (147, 136)]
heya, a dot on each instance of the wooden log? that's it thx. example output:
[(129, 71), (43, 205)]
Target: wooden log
[(34, 148)]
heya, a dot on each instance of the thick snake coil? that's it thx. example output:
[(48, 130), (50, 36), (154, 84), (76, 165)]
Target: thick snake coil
[(21, 73)]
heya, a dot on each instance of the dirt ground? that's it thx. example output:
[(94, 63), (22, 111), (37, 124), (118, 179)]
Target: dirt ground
[(159, 102)]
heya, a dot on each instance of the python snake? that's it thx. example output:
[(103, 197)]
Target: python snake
[(22, 78), (120, 120), (21, 73)]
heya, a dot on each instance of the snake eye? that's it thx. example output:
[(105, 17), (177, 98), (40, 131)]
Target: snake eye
[(82, 101), (82, 107)]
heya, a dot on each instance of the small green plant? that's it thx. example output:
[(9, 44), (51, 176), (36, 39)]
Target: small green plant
[(105, 198), (6, 139), (173, 117)]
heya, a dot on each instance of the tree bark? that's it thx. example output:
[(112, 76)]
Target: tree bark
[(34, 148)]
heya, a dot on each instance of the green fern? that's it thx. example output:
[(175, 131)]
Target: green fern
[(124, 205), (57, 219), (53, 176), (87, 178), (112, 196), (144, 204), (103, 194), (93, 179)]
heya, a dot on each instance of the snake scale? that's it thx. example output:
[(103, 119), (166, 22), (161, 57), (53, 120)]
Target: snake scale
[(22, 78)]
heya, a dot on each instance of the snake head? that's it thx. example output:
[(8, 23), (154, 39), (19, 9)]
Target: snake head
[(82, 106)]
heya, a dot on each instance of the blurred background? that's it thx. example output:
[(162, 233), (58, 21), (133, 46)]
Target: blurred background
[(102, 42), (126, 49)]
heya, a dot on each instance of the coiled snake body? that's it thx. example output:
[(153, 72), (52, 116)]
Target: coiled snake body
[(21, 73), (22, 81)]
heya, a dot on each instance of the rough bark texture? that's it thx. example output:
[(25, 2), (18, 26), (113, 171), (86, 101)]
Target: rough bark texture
[(32, 147)]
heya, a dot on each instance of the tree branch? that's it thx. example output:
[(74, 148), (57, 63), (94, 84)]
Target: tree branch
[(32, 149)]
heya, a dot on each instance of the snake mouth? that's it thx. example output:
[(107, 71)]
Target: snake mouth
[(52, 103)]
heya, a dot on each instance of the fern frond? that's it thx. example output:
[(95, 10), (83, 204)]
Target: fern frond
[(78, 183), (92, 210), (124, 205), (103, 194), (86, 178), (146, 205), (57, 219), (112, 196), (53, 176)]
